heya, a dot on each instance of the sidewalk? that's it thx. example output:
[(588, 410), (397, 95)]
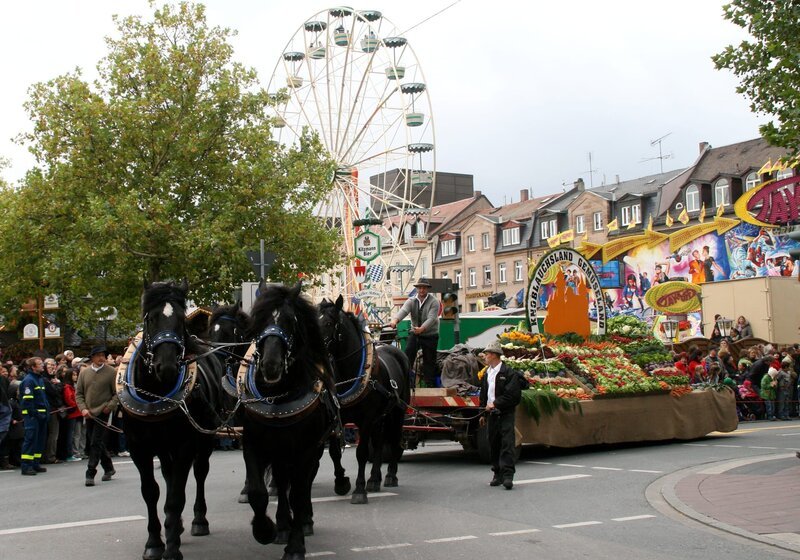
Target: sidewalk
[(757, 498)]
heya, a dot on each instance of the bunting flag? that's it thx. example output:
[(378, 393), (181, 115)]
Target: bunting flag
[(683, 217), (359, 272), (585, 237), (375, 273), (669, 221), (650, 223), (720, 210), (613, 225), (553, 241), (766, 168), (702, 216), (567, 236), (631, 224)]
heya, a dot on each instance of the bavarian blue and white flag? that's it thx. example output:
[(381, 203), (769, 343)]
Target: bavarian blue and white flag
[(375, 273)]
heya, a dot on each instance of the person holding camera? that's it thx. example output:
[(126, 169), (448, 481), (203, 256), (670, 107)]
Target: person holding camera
[(501, 392)]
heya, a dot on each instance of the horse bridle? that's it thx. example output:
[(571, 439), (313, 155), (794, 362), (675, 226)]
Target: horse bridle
[(162, 337), (287, 340)]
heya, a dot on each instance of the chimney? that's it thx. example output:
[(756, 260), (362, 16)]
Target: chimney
[(523, 195), (580, 185), (616, 179), (703, 147), (477, 194)]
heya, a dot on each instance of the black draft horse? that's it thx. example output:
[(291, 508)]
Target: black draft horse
[(373, 396), (159, 380), (290, 411)]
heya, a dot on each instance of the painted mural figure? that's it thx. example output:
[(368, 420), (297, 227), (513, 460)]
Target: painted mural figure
[(710, 265)]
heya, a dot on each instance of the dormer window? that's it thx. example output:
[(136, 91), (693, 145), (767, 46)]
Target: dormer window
[(722, 193), (548, 229), (751, 181), (511, 236), (692, 198), (631, 214), (448, 247)]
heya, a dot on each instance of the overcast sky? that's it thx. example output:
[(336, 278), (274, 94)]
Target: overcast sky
[(522, 92)]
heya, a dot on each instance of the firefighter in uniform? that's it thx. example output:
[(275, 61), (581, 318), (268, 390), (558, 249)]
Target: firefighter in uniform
[(35, 412)]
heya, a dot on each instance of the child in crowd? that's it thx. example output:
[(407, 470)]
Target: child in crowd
[(769, 391)]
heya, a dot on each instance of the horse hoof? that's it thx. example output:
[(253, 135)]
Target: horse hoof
[(282, 537), (359, 498), (200, 529), (390, 481), (177, 556), (342, 486), (308, 529), (373, 486), (264, 530), (293, 556), (153, 553)]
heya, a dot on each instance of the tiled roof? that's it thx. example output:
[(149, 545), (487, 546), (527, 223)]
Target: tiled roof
[(517, 210)]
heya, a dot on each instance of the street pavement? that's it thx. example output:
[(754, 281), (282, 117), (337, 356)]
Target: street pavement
[(732, 496)]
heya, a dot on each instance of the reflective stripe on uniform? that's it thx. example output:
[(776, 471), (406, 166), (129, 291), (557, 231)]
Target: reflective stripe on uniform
[(24, 412), (27, 396), (37, 455), (26, 457)]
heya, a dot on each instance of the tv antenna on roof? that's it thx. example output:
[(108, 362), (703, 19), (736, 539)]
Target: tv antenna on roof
[(660, 157)]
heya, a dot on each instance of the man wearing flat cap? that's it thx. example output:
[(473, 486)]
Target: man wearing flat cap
[(96, 395), (423, 310), (501, 392)]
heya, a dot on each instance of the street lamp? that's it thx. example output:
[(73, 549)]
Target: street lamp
[(724, 324), (670, 329)]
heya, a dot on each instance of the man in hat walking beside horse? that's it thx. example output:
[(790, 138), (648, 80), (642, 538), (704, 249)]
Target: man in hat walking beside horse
[(501, 392), (423, 310), (96, 395)]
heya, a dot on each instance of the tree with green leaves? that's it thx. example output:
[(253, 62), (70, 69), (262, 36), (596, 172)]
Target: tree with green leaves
[(768, 65), (163, 167)]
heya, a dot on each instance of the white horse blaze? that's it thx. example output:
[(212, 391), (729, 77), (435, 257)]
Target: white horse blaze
[(168, 310)]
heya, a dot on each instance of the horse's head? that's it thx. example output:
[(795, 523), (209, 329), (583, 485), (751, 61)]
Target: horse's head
[(274, 330), (228, 324), (164, 333), (331, 319)]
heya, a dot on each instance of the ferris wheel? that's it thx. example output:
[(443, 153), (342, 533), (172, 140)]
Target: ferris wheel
[(350, 76)]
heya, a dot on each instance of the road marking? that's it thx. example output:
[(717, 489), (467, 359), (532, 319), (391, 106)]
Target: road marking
[(570, 465), (696, 444), (724, 445), (645, 471), (792, 434), (608, 469), (71, 524), (318, 554), (760, 447), (381, 547), (580, 524), (452, 539), (520, 532), (551, 479), (633, 518), (342, 498), (538, 463)]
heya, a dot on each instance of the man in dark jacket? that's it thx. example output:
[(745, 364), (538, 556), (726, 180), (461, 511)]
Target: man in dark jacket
[(501, 392), (35, 409), (758, 370)]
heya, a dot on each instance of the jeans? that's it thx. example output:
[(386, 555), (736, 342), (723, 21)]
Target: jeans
[(770, 409), (79, 437)]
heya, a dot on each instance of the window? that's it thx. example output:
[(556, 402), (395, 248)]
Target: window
[(471, 243), (692, 198), (597, 217), (722, 193), (548, 229), (420, 229), (784, 173), (485, 239), (458, 278), (751, 181), (473, 307), (444, 274), (631, 214), (501, 273), (407, 233), (580, 227), (448, 247), (511, 236), (473, 278), (487, 274), (517, 271), (424, 263)]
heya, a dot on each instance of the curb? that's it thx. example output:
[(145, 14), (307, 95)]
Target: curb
[(662, 496)]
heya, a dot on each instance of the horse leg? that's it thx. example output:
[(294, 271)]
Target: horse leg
[(362, 455), (201, 467), (342, 483), (154, 547), (300, 500), (375, 479), (243, 494), (257, 496), (176, 472), (283, 515), (394, 438), (307, 515), (270, 480)]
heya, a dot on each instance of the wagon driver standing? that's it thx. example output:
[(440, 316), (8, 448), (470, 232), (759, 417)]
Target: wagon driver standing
[(501, 392), (424, 312)]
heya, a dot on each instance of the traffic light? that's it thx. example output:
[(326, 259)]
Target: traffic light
[(449, 305)]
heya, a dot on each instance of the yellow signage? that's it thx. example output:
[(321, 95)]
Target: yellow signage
[(674, 297), (687, 235), (615, 248)]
